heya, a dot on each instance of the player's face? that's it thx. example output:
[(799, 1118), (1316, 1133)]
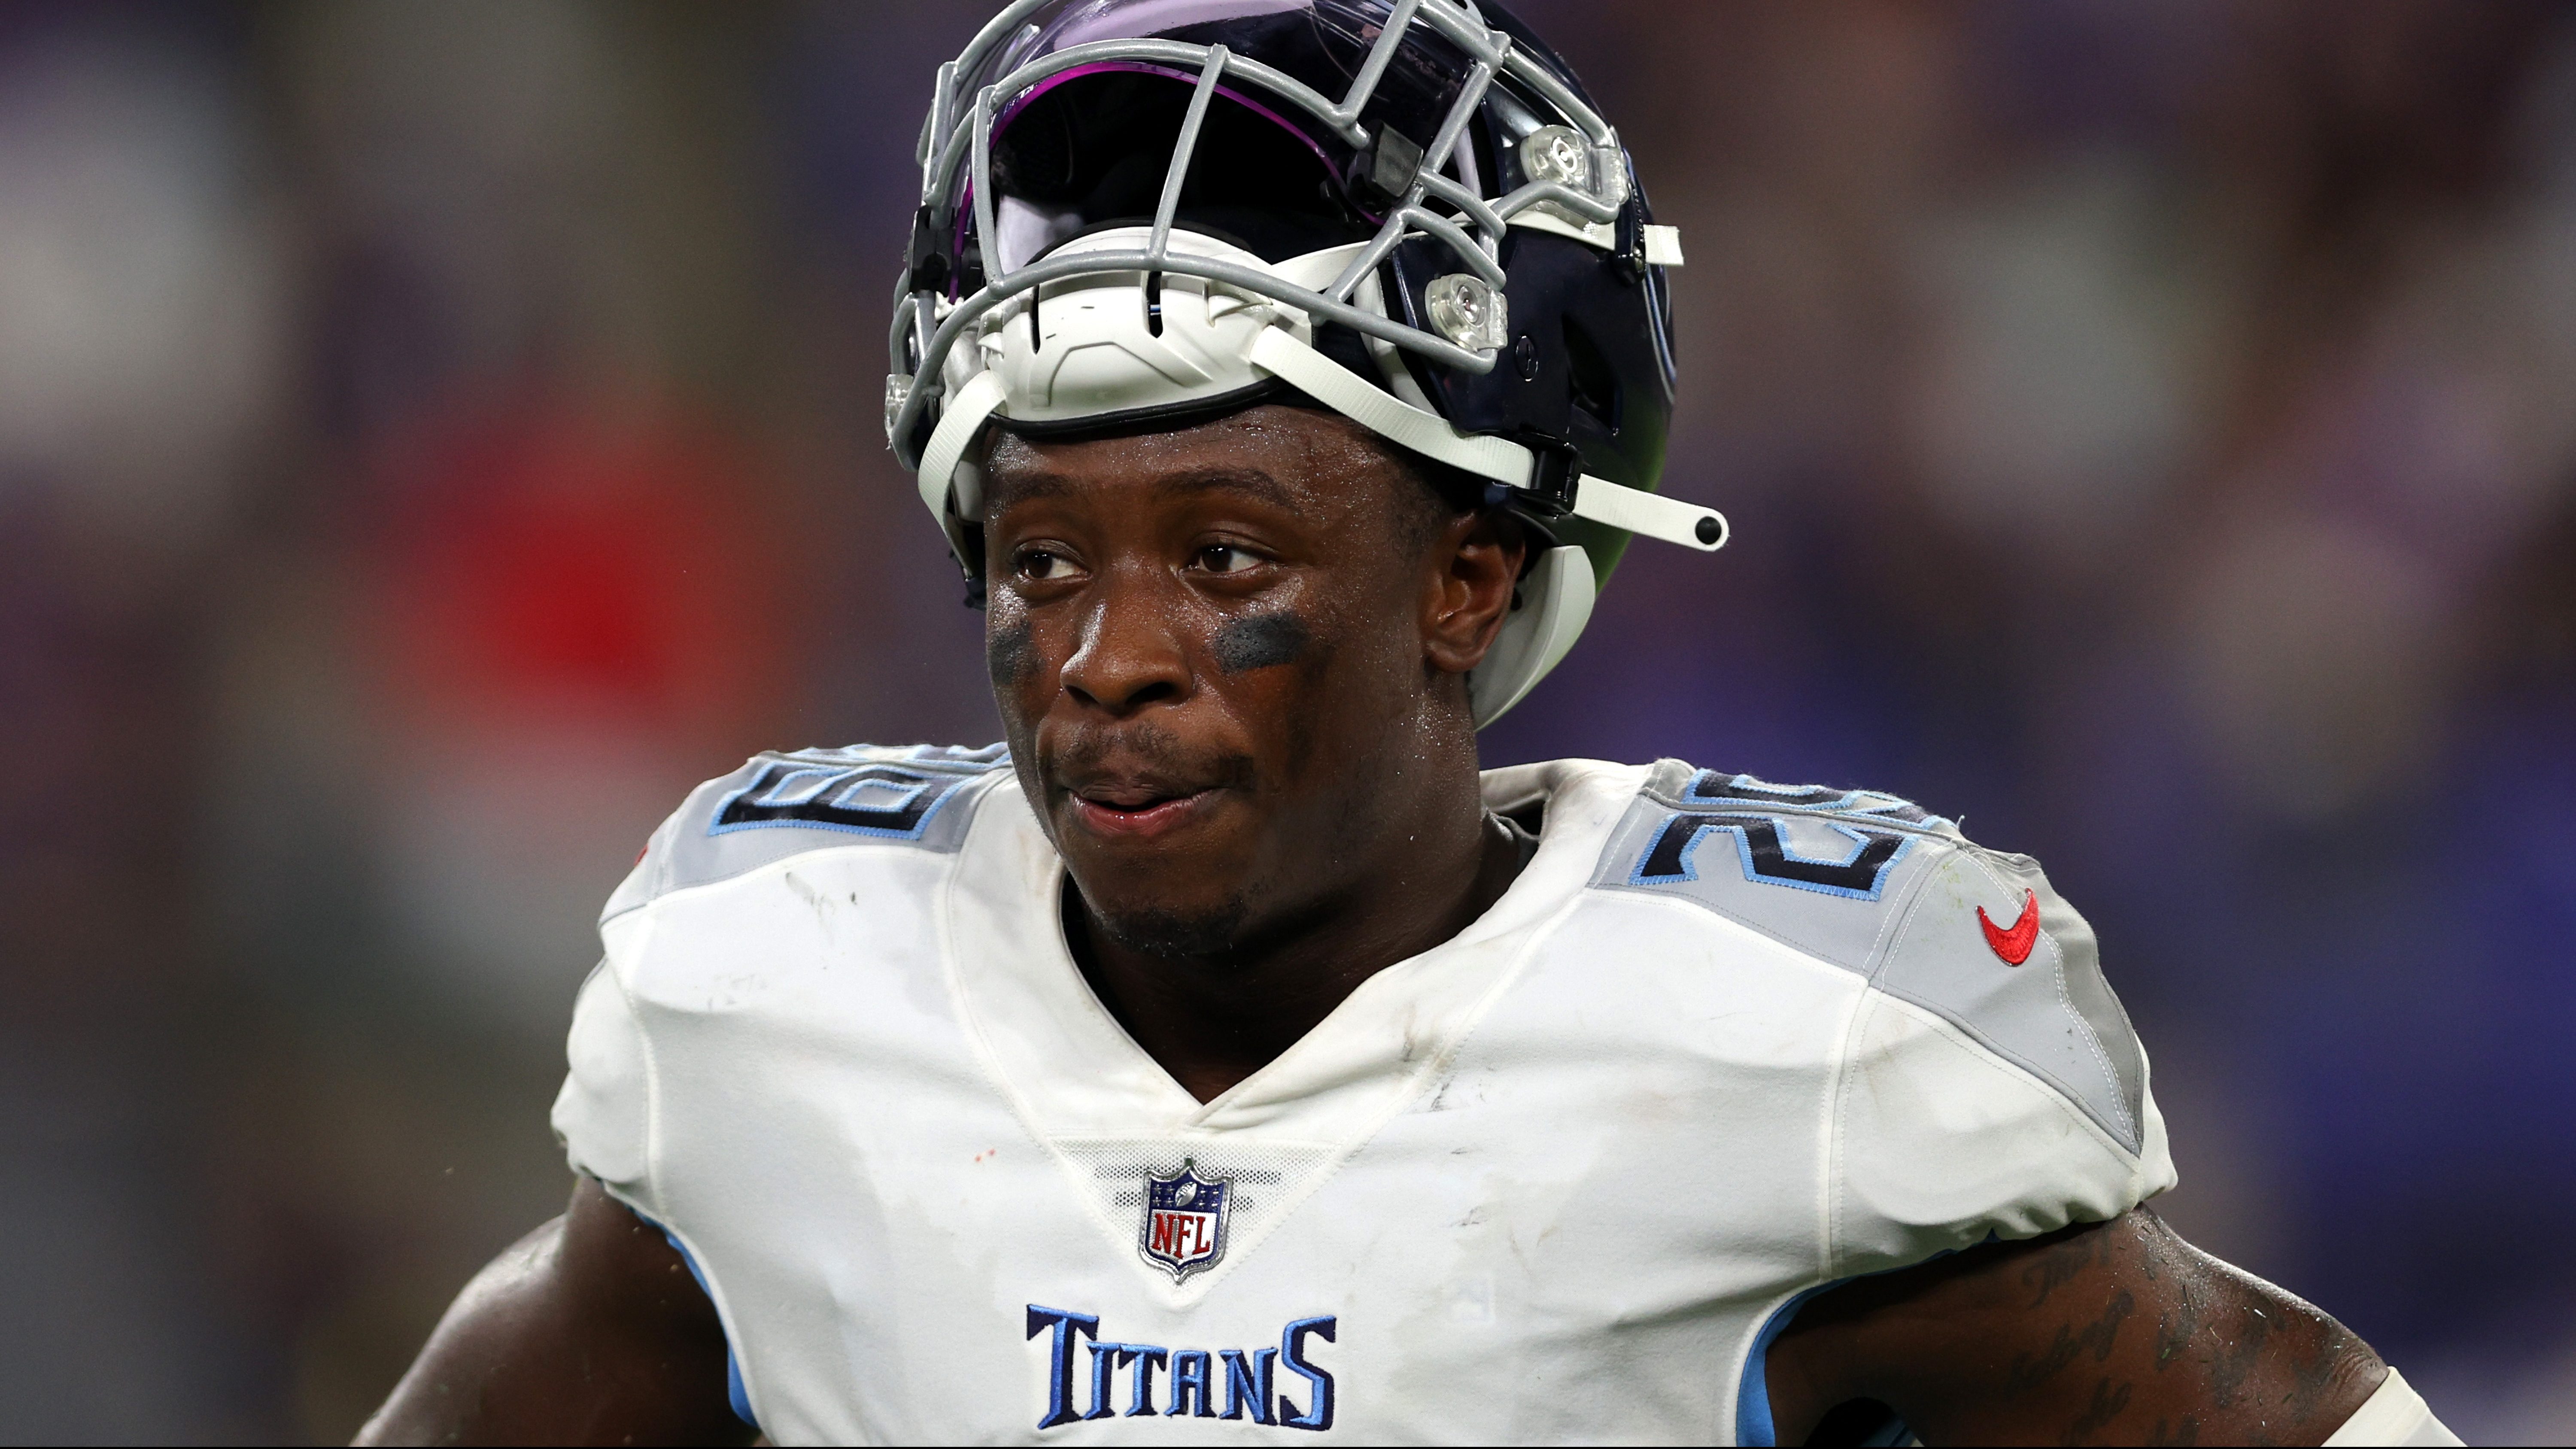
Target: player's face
[(1215, 651)]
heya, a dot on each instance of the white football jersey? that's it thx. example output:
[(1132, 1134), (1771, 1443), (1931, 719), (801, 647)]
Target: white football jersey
[(1721, 1044)]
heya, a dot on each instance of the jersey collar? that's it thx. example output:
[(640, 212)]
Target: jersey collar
[(1072, 1071)]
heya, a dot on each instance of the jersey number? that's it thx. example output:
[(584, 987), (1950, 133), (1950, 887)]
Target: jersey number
[(1768, 860), (873, 799)]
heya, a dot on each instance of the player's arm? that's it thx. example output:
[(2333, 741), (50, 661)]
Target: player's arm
[(2112, 1333), (590, 1330)]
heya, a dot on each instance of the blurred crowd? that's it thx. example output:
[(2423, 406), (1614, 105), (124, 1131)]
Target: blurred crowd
[(434, 437)]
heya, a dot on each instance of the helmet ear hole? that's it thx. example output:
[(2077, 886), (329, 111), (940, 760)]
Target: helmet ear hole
[(1558, 597), (1595, 383)]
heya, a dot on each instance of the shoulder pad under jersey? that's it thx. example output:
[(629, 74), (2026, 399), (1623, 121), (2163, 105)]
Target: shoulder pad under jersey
[(1877, 886), (787, 803)]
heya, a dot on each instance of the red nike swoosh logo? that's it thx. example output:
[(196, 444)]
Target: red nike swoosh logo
[(2014, 945)]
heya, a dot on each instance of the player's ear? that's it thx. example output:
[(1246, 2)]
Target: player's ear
[(1471, 568)]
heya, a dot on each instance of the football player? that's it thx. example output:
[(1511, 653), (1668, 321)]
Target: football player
[(1226, 1057)]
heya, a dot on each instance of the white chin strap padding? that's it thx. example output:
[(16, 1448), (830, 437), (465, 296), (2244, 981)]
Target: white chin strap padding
[(1098, 344), (1556, 602), (1101, 343), (959, 422)]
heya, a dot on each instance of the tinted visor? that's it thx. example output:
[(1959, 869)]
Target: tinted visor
[(1091, 149)]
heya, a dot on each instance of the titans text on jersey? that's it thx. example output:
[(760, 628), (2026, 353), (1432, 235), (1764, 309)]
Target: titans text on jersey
[(1723, 1043)]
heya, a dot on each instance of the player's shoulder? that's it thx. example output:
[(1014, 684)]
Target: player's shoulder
[(1825, 869), (784, 803), (1877, 886)]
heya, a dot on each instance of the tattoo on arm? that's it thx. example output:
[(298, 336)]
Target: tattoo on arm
[(2024, 1342), (2099, 1336), (2061, 1262), (2100, 1414), (2185, 1432), (2233, 1360), (2178, 1324)]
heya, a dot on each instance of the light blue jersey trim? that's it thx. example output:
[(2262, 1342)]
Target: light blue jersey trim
[(1753, 1396), (735, 1394)]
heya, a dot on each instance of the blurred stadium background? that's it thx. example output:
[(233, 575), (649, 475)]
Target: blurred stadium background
[(433, 437)]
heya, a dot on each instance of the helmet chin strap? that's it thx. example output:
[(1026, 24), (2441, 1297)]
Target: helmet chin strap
[(950, 496), (1504, 461), (1209, 340), (1275, 352)]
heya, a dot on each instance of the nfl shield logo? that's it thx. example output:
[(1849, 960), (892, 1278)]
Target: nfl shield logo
[(1184, 1227)]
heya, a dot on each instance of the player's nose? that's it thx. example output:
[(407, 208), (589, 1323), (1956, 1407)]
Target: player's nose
[(1131, 653)]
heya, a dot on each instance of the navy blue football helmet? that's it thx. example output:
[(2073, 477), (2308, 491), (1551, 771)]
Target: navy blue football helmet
[(1141, 213)]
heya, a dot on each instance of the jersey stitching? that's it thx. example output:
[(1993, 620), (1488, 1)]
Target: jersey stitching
[(1893, 924), (1987, 1057), (1892, 912), (677, 892), (988, 1061), (2129, 1178), (724, 1319), (2084, 1028), (967, 796), (1440, 1063), (2093, 1043), (652, 1081), (1434, 1068), (1701, 912), (1674, 801), (1829, 1213), (1828, 1219), (663, 868), (800, 858), (655, 1210)]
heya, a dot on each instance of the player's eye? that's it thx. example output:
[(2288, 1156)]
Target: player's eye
[(1039, 564), (1225, 558)]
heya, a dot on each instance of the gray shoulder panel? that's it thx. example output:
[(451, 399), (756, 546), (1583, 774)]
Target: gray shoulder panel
[(2052, 1013), (1818, 869), (787, 803), (1873, 884)]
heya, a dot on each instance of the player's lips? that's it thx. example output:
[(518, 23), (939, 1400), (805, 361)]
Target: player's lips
[(1138, 809)]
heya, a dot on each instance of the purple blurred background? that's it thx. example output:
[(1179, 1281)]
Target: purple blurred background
[(433, 437)]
